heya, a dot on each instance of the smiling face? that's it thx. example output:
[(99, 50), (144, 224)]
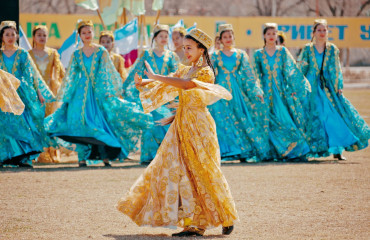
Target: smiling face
[(192, 51), (162, 38), (40, 37), (270, 36), (107, 42), (227, 38), (177, 40), (321, 32), (9, 36), (86, 34)]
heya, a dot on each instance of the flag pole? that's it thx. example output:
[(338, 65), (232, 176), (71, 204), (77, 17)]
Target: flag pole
[(141, 40), (157, 17), (101, 19), (123, 17), (145, 32)]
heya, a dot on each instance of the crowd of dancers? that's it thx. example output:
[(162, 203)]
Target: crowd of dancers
[(281, 110), (270, 108)]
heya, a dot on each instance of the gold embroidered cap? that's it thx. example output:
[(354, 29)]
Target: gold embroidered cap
[(320, 21), (37, 27), (8, 24), (225, 27), (83, 23), (181, 30), (202, 37), (106, 34), (270, 25), (160, 27)]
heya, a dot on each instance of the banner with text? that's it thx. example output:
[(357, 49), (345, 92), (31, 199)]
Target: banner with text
[(344, 32)]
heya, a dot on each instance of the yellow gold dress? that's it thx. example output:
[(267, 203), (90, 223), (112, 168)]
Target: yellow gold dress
[(183, 185), (119, 64), (9, 99), (52, 71)]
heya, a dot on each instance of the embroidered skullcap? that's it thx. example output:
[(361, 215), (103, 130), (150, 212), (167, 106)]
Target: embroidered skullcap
[(107, 34), (84, 23), (202, 37), (160, 27), (270, 25), (8, 24), (320, 21)]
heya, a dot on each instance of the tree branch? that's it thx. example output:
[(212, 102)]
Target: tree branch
[(363, 6)]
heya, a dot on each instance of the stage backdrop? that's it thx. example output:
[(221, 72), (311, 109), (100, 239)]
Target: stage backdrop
[(344, 32)]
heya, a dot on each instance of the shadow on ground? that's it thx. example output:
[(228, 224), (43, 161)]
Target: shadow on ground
[(156, 236)]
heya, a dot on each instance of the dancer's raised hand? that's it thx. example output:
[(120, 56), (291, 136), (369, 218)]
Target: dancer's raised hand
[(149, 71)]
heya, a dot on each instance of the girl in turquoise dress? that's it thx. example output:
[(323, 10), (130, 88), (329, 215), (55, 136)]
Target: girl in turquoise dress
[(285, 89), (333, 124), (242, 126), (163, 62), (93, 115), (17, 149), (15, 132)]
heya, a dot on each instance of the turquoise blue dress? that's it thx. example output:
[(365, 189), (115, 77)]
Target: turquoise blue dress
[(93, 115), (27, 137), (333, 124), (280, 78), (164, 65), (242, 126)]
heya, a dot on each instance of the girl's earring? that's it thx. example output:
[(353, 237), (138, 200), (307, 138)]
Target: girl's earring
[(200, 62)]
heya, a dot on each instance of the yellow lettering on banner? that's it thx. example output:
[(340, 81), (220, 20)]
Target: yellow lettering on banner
[(344, 32)]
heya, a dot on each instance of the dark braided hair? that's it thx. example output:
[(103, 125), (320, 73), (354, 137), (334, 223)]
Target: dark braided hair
[(200, 45), (2, 34)]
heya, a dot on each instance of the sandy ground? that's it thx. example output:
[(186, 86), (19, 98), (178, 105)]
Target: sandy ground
[(321, 199)]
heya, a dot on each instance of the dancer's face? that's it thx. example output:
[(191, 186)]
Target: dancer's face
[(107, 42), (40, 37), (191, 50), (9, 37), (162, 38), (270, 36), (227, 38), (177, 40), (321, 32), (217, 43), (87, 34)]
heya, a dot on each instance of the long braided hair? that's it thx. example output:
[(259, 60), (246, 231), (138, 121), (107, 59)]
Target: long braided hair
[(200, 45)]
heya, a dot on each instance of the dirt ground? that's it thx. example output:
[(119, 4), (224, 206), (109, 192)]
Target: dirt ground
[(320, 199)]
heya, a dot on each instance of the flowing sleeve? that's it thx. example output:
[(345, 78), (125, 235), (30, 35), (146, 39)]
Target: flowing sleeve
[(303, 60), (257, 66), (9, 98), (30, 72), (59, 68), (67, 87), (108, 81), (295, 81), (249, 80), (156, 94), (335, 70), (129, 91), (174, 62), (121, 68), (214, 61), (138, 68), (206, 91)]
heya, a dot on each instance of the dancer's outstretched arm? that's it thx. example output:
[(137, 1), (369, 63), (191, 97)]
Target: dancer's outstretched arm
[(174, 81)]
